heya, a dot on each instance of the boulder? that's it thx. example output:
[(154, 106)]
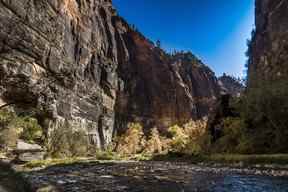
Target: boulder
[(26, 152), (23, 146)]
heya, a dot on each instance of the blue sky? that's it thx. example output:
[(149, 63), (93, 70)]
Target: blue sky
[(214, 30)]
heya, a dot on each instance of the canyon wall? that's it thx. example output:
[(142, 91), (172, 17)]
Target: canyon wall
[(269, 46), (78, 63), (267, 91), (59, 59)]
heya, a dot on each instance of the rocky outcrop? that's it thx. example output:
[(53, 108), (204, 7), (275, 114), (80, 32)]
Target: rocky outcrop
[(230, 86), (77, 62)]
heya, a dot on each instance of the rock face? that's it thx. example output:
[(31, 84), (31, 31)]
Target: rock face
[(161, 90), (268, 77), (269, 47), (77, 62), (60, 58), (28, 152), (230, 86)]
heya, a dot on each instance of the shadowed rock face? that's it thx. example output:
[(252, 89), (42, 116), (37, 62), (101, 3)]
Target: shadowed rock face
[(269, 47), (78, 62), (160, 89), (268, 76)]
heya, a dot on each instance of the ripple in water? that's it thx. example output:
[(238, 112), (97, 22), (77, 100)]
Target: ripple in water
[(238, 183)]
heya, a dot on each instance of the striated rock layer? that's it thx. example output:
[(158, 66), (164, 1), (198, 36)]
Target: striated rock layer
[(77, 62), (60, 58)]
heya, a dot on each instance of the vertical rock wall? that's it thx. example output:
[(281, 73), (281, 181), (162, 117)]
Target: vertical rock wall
[(59, 58), (269, 47), (76, 63)]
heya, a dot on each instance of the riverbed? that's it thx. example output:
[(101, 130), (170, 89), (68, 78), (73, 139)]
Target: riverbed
[(155, 177)]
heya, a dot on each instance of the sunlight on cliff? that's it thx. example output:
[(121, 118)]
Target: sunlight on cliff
[(70, 7)]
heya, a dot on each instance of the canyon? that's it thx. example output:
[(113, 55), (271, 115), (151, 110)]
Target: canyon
[(78, 63)]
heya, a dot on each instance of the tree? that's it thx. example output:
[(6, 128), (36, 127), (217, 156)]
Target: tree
[(158, 44)]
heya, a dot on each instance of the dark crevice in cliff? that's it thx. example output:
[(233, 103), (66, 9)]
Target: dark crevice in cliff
[(103, 14)]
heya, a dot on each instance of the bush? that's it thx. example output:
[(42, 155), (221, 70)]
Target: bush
[(67, 141), (192, 139), (266, 114), (13, 127), (132, 142), (31, 130), (179, 139), (8, 138), (156, 143), (235, 138), (198, 137)]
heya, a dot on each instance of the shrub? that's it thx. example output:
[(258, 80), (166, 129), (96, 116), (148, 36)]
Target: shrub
[(192, 139), (266, 114), (67, 141), (235, 138), (31, 131), (13, 127), (8, 138), (5, 118), (198, 137), (156, 143), (179, 138), (133, 141)]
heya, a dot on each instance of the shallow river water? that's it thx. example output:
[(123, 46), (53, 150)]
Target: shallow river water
[(239, 183), (155, 177)]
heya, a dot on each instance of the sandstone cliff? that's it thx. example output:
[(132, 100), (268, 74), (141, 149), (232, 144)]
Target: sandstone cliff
[(268, 76), (77, 62), (268, 49), (59, 59)]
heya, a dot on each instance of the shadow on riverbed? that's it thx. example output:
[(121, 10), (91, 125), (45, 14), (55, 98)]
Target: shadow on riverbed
[(151, 176), (10, 181)]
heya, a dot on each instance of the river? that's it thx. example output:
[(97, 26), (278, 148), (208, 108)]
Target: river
[(156, 177)]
